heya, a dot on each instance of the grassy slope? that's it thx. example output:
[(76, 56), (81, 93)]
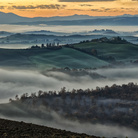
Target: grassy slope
[(67, 57), (14, 57), (119, 51), (44, 58)]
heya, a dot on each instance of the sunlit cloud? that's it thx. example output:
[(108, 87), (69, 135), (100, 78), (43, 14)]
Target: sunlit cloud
[(69, 7)]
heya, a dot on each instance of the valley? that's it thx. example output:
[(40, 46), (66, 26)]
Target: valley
[(72, 76)]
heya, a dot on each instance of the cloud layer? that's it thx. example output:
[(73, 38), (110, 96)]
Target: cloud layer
[(51, 6), (32, 7)]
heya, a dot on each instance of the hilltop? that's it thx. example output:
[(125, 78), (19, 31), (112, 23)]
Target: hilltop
[(93, 53), (113, 49), (48, 58)]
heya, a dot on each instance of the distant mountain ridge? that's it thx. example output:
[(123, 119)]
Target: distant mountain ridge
[(11, 18)]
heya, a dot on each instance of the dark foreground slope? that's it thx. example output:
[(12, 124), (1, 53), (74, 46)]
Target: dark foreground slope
[(20, 129)]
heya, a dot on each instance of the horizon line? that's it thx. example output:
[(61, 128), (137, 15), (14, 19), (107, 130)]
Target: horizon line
[(69, 15)]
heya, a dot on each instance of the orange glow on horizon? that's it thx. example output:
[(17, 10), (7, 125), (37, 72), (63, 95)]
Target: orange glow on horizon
[(49, 8)]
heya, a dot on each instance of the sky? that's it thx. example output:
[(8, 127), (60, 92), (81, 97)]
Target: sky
[(48, 8)]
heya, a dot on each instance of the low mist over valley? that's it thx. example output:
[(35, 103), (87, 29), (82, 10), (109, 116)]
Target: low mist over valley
[(76, 73), (17, 82)]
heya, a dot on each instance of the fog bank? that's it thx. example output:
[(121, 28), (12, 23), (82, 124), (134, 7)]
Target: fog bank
[(52, 119), (13, 82)]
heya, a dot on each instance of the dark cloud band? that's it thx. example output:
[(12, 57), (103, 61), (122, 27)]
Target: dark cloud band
[(52, 6), (2, 7), (83, 0)]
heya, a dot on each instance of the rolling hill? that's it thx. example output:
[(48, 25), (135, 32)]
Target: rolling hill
[(19, 38), (48, 58), (67, 57), (120, 51), (79, 55)]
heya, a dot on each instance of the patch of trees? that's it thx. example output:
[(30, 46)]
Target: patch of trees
[(76, 72), (113, 40), (115, 104), (52, 46)]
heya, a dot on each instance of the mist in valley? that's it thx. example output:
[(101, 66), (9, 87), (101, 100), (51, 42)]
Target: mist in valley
[(65, 29), (64, 34), (43, 116), (16, 82)]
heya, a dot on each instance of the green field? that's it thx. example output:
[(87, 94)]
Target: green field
[(45, 58), (121, 52), (67, 58)]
